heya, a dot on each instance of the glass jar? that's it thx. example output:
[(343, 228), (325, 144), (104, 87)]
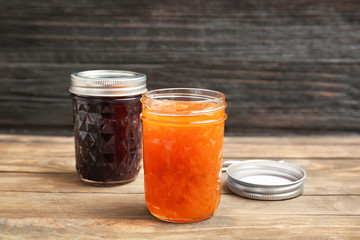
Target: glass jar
[(183, 132), (107, 125)]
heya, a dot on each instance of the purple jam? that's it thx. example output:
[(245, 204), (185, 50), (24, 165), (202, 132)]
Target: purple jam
[(108, 138)]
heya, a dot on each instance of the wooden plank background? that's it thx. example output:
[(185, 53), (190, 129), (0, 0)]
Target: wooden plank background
[(286, 66)]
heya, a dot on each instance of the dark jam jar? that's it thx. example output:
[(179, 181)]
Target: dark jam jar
[(107, 125)]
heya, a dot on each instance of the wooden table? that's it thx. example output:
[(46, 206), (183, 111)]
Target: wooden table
[(42, 197)]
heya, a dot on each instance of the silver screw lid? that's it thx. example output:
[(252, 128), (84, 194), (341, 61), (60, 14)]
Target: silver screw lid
[(107, 83), (265, 179)]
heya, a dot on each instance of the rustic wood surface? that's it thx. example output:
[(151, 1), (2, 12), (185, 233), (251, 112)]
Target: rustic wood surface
[(286, 66), (43, 198)]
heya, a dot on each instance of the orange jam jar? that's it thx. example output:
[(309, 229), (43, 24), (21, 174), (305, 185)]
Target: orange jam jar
[(183, 130)]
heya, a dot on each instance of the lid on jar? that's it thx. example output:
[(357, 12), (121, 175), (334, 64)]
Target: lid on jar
[(265, 179), (108, 83)]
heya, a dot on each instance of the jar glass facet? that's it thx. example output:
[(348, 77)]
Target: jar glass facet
[(107, 125), (108, 139)]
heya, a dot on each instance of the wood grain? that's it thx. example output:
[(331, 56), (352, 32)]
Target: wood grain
[(58, 152), (239, 227), (331, 162), (132, 206), (41, 196), (286, 67), (278, 148), (122, 216), (325, 177)]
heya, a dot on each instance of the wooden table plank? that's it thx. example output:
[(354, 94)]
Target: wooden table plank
[(41, 196), (132, 206), (124, 215), (232, 227), (324, 177), (24, 153), (292, 147)]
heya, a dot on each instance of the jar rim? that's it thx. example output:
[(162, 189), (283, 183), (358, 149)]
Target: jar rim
[(183, 95), (107, 83), (207, 94)]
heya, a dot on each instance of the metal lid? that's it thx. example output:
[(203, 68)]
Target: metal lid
[(265, 179), (108, 83)]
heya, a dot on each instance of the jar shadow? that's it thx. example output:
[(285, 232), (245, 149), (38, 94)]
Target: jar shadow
[(66, 196)]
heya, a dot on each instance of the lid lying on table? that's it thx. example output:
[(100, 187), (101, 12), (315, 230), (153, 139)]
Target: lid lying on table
[(265, 179)]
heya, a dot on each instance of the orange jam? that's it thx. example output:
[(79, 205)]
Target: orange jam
[(182, 151)]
